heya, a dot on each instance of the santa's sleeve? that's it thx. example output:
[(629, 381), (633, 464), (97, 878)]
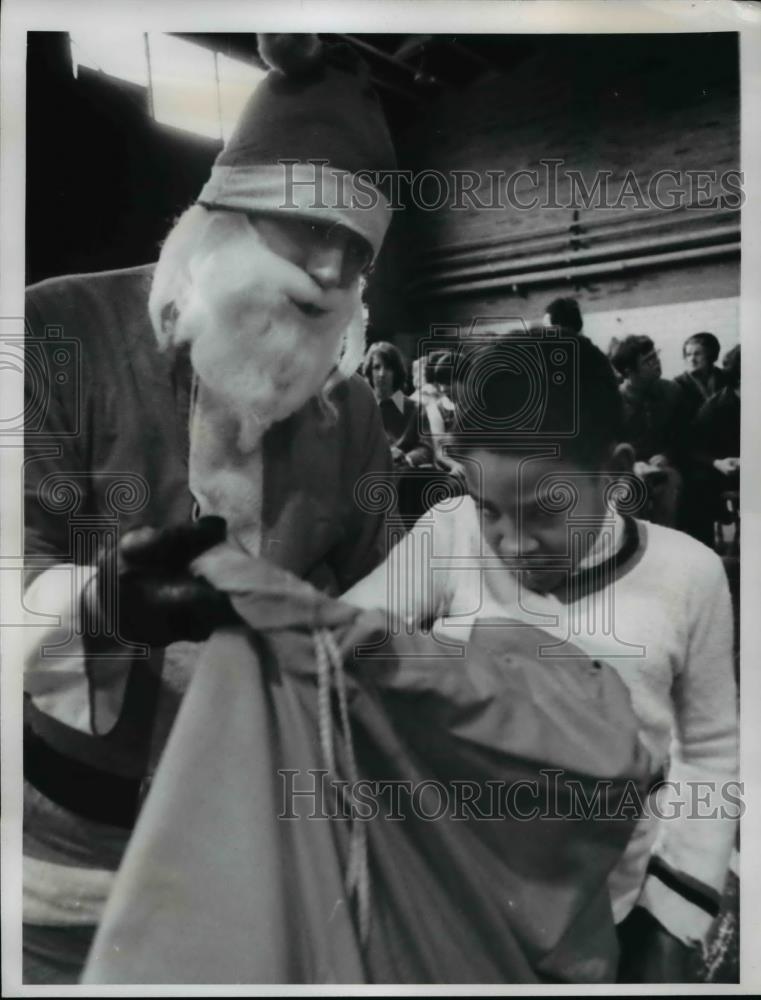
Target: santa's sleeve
[(689, 863), (366, 466), (53, 436), (57, 568)]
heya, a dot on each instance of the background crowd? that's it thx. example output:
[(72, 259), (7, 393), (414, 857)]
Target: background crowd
[(684, 432)]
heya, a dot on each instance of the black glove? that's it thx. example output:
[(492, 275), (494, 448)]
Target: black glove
[(145, 593)]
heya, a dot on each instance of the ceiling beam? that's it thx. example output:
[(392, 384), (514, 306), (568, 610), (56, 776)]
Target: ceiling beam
[(392, 60), (411, 46), (476, 57), (408, 95)]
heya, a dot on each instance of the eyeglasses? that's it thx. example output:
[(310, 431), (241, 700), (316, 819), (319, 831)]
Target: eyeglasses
[(298, 239)]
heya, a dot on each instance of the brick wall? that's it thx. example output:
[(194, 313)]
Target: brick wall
[(598, 103)]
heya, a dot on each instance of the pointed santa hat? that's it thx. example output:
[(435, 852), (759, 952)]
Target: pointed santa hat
[(311, 140)]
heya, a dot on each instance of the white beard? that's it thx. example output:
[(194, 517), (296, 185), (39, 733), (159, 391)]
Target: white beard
[(258, 355), (258, 359)]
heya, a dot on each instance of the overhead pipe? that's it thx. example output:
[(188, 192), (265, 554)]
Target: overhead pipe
[(522, 243), (529, 243), (406, 50), (408, 95), (394, 88), (584, 271), (475, 56), (411, 47), (502, 264), (651, 220), (399, 63)]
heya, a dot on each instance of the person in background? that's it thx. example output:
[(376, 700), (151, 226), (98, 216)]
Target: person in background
[(701, 377), (716, 452), (424, 392), (716, 434), (508, 549), (654, 425), (440, 411), (565, 313), (700, 380), (404, 421), (443, 378)]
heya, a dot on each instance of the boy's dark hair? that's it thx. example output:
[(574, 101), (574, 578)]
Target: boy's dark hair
[(581, 412), (429, 365), (708, 342), (442, 373), (566, 314), (626, 355), (391, 356), (732, 367)]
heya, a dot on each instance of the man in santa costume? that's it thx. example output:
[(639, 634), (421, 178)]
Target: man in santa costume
[(216, 396)]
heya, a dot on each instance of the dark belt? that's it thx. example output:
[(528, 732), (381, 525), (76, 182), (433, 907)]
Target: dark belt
[(87, 791)]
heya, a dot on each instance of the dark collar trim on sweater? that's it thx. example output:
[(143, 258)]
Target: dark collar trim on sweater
[(594, 578)]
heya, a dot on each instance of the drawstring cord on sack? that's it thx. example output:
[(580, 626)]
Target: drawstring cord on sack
[(330, 671)]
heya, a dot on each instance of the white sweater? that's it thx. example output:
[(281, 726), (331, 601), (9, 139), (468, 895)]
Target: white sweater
[(663, 621)]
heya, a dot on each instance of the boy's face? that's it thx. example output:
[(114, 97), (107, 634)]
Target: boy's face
[(383, 378), (648, 368), (695, 358), (525, 520)]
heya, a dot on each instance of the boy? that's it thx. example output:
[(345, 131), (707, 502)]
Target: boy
[(543, 538), (655, 424)]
